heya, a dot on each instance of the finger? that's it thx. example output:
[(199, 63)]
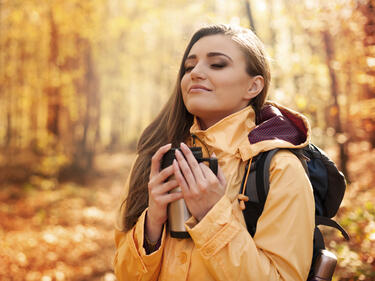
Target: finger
[(164, 174), (185, 170), (206, 171), (163, 188), (155, 160), (168, 186), (180, 178), (171, 197), (208, 174), (192, 162), (163, 200), (157, 181)]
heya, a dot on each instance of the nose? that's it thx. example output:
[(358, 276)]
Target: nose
[(197, 72)]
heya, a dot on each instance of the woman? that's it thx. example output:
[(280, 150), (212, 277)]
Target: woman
[(220, 98)]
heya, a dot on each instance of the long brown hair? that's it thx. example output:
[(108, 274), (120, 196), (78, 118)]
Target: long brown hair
[(173, 123)]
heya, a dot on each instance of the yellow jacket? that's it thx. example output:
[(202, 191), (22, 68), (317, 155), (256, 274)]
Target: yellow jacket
[(220, 247)]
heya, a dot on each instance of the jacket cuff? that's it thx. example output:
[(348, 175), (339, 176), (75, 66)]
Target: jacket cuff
[(215, 230), (138, 238)]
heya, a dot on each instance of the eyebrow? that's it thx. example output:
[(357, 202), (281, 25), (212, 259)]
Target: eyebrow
[(211, 54)]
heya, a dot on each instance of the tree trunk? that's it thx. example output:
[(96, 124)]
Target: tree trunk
[(368, 10), (87, 144), (249, 15), (8, 137), (53, 91), (335, 111), (273, 43)]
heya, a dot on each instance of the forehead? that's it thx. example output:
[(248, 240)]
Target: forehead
[(216, 43)]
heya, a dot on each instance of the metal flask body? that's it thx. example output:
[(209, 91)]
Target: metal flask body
[(324, 266), (178, 213)]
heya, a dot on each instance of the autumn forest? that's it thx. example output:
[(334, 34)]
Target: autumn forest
[(80, 80)]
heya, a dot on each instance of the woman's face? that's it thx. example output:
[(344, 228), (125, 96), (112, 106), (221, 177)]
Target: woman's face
[(215, 83)]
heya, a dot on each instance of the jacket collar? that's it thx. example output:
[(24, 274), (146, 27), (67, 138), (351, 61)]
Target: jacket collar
[(237, 134), (229, 135)]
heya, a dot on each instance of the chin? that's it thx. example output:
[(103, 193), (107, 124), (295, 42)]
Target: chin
[(198, 110)]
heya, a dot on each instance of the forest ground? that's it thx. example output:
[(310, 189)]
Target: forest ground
[(64, 231)]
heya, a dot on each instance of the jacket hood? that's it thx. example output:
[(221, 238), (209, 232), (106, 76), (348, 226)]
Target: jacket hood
[(279, 127), (279, 123)]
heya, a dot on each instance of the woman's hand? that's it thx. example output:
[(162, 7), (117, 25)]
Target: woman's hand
[(158, 196), (200, 187)]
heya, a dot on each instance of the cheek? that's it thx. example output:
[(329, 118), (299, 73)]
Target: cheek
[(234, 85), (184, 84), (226, 89)]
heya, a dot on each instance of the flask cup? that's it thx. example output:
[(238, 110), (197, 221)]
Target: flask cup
[(178, 213), (324, 266)]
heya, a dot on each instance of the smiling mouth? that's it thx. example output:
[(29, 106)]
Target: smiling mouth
[(198, 89)]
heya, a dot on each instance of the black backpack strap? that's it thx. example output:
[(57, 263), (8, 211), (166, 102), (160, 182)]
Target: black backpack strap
[(263, 175), (302, 157), (257, 188), (318, 241), (319, 220)]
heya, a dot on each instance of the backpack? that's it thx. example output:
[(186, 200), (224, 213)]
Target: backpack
[(327, 181)]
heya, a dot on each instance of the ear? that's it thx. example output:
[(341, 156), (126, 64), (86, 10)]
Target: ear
[(256, 85)]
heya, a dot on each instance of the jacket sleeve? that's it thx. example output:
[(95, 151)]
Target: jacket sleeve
[(131, 261), (282, 246)]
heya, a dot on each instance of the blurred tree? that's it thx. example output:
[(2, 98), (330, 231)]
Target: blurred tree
[(53, 88), (250, 15), (368, 10), (77, 78), (83, 157), (335, 109)]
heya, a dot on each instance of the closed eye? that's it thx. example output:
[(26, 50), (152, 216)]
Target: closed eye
[(218, 65), (214, 66), (189, 68)]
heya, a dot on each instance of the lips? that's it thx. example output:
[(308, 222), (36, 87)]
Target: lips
[(198, 88)]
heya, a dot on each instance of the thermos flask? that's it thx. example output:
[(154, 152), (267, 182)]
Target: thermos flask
[(324, 266), (178, 213)]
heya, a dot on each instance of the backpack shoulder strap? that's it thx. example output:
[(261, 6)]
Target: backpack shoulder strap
[(302, 157), (257, 188), (263, 174), (320, 220)]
